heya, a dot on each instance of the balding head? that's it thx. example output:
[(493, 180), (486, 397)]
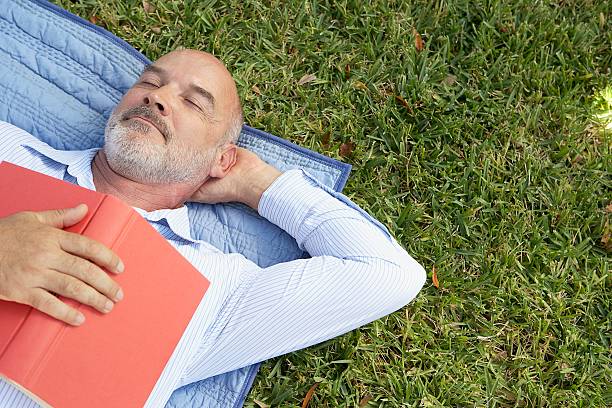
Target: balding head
[(182, 112)]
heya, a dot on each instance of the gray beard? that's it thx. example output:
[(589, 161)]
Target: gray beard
[(134, 157)]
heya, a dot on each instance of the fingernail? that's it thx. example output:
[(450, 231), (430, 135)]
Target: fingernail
[(79, 319), (119, 295), (108, 306), (120, 267)]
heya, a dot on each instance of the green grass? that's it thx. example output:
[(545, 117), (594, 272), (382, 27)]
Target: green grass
[(480, 153)]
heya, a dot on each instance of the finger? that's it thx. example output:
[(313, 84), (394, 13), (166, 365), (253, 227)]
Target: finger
[(73, 288), (62, 218), (88, 273), (90, 249), (47, 303)]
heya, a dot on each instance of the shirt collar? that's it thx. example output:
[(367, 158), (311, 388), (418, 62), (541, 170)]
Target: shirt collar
[(176, 218), (78, 164)]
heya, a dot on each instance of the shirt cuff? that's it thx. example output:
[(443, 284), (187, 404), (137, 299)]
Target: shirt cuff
[(288, 200), (291, 198)]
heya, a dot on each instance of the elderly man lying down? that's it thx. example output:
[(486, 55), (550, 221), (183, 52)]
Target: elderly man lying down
[(170, 140)]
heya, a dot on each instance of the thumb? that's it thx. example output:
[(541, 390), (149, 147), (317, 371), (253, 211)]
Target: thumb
[(62, 218)]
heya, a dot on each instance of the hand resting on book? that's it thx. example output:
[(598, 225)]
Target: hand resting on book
[(38, 259)]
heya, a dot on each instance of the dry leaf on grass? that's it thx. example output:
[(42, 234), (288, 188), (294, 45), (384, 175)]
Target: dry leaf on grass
[(148, 7), (261, 404), (256, 89), (309, 395), (325, 139), (346, 149), (360, 85), (306, 79), (450, 80), (364, 401), (434, 278), (403, 102), (156, 30), (418, 41)]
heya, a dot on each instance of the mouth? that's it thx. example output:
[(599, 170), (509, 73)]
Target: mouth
[(148, 121), (142, 119)]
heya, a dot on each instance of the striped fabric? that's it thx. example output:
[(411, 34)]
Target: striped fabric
[(357, 274)]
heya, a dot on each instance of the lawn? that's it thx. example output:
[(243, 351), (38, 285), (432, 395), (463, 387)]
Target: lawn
[(476, 131)]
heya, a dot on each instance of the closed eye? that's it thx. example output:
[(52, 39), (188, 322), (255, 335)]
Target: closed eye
[(149, 83), (193, 104)]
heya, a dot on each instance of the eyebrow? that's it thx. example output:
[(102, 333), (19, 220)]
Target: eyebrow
[(154, 69), (203, 92), (192, 87)]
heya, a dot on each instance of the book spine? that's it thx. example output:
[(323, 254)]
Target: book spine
[(33, 338), (106, 226)]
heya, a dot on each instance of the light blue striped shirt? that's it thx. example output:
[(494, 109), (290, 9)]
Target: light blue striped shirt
[(357, 274)]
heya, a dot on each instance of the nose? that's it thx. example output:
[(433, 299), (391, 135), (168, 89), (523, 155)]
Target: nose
[(157, 101)]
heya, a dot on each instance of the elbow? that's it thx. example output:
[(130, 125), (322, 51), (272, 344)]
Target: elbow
[(409, 279)]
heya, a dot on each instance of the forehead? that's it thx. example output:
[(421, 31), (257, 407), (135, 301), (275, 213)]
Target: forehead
[(187, 69), (193, 67)]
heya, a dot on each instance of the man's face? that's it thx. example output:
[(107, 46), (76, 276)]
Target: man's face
[(168, 127)]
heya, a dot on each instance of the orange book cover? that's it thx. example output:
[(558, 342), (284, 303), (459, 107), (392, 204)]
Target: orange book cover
[(114, 359)]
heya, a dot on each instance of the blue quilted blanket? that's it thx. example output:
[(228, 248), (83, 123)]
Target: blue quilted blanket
[(60, 79)]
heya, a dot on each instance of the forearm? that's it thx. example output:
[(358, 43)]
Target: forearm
[(324, 224), (294, 305)]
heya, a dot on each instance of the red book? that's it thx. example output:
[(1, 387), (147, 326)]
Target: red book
[(114, 359)]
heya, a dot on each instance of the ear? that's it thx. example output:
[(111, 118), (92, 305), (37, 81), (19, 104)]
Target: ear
[(225, 161)]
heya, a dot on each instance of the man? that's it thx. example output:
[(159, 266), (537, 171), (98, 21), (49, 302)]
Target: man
[(171, 140)]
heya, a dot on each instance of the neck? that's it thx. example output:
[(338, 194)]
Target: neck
[(149, 197)]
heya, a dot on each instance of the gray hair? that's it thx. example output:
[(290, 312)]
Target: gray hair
[(233, 132)]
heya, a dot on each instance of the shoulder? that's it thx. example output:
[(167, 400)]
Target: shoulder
[(24, 149), (14, 142), (11, 136)]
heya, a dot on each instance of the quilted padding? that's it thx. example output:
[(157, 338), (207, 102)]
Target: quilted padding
[(60, 78)]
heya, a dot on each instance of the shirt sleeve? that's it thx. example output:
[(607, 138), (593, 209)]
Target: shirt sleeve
[(11, 138), (24, 149), (357, 274)]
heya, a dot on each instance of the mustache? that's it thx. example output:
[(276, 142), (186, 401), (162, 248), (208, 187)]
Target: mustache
[(148, 113)]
